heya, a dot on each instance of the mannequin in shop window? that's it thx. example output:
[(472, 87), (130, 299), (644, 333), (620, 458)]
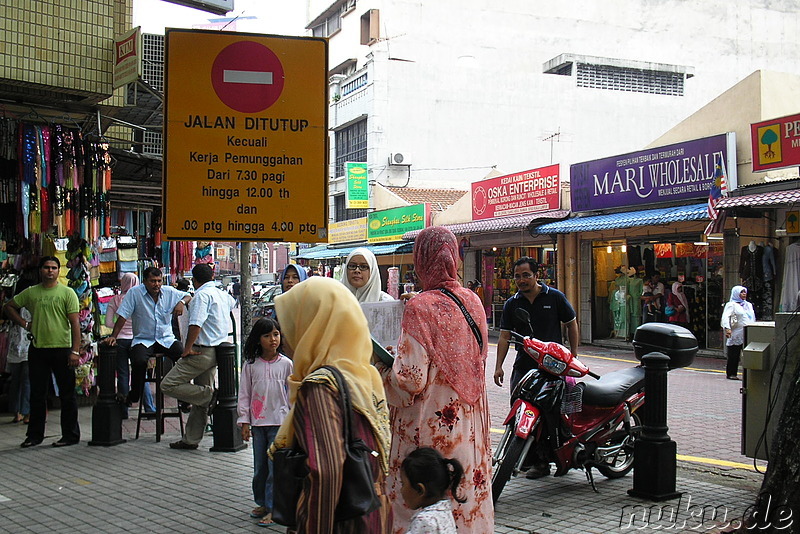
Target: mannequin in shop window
[(618, 302), (635, 291), (751, 274)]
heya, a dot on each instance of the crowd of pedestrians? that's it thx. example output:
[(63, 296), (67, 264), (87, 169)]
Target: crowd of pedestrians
[(425, 420)]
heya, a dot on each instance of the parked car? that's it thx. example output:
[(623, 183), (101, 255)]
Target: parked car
[(264, 304)]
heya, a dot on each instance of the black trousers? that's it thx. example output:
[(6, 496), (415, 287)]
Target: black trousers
[(139, 355), (41, 363), (734, 352)]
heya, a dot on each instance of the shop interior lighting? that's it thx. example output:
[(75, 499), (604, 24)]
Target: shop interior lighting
[(608, 249), (624, 249)]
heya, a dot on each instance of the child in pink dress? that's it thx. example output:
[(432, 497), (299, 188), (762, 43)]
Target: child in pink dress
[(263, 404)]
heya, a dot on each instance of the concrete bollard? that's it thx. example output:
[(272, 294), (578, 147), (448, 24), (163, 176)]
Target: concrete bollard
[(227, 436), (654, 461), (106, 415)]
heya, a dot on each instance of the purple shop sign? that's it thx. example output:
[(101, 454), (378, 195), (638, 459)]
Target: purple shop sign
[(683, 171)]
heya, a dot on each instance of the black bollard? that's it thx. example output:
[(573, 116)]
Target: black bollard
[(654, 453), (227, 436), (106, 415)]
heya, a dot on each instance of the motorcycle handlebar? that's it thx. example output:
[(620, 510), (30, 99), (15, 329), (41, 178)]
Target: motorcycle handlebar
[(593, 375)]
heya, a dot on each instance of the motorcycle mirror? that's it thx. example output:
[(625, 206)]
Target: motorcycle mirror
[(523, 315)]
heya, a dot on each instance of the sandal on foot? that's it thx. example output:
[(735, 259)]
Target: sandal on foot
[(258, 512), (266, 521)]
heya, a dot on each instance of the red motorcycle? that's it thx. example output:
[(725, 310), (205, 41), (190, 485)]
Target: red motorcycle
[(600, 432)]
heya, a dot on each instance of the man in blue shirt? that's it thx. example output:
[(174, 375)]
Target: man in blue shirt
[(548, 309), (192, 378), (150, 308)]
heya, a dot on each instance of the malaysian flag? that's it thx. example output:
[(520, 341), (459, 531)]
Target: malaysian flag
[(719, 189)]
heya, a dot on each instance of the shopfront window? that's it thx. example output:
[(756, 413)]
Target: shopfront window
[(632, 282), (498, 274)]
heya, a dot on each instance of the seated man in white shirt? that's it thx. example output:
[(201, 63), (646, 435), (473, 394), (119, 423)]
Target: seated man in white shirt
[(150, 308), (192, 378)]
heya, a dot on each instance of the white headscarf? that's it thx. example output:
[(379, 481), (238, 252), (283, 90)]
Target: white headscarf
[(371, 292)]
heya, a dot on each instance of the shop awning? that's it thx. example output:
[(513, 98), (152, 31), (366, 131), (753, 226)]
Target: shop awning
[(322, 252), (629, 219), (758, 200), (497, 224)]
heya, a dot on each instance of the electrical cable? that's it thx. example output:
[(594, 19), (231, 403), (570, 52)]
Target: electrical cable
[(781, 358)]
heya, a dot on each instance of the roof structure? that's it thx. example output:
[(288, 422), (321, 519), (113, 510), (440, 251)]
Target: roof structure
[(439, 199), (497, 224), (629, 219), (761, 199)]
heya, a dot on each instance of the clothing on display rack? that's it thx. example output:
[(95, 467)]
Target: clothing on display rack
[(791, 278)]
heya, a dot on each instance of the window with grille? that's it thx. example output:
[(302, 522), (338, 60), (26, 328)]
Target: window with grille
[(630, 79), (351, 145), (341, 213), (153, 60)]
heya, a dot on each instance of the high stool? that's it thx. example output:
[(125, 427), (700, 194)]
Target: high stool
[(160, 370)]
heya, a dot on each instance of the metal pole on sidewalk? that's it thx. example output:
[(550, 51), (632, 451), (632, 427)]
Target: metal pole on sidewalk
[(106, 413), (654, 453), (227, 436)]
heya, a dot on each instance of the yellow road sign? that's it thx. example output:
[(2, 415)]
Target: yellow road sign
[(245, 156)]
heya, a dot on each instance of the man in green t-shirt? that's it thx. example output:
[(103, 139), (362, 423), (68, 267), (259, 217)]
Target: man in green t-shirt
[(55, 345)]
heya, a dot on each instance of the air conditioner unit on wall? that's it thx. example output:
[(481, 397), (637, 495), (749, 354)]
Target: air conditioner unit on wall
[(400, 159)]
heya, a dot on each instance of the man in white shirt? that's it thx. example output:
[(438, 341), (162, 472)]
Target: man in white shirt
[(192, 378)]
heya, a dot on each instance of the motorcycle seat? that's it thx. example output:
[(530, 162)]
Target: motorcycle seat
[(613, 388)]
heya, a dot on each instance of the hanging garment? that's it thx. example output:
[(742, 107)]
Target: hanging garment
[(791, 278)]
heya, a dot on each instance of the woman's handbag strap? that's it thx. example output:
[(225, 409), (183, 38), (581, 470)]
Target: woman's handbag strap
[(470, 321), (344, 396)]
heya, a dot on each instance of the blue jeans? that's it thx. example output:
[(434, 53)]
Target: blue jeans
[(262, 437), (124, 374), (19, 389)]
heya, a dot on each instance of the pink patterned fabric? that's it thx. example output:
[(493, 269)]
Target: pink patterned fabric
[(437, 323)]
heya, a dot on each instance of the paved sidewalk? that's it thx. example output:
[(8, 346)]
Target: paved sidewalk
[(143, 486)]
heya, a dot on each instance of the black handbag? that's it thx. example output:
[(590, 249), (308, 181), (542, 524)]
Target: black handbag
[(358, 495)]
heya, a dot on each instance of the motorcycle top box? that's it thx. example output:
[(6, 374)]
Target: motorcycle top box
[(675, 341)]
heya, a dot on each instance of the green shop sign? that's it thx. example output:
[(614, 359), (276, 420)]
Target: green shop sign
[(357, 185), (390, 225)]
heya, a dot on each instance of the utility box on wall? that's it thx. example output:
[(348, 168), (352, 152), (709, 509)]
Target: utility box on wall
[(770, 358)]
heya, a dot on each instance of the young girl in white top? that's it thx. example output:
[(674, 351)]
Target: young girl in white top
[(263, 404), (427, 477)]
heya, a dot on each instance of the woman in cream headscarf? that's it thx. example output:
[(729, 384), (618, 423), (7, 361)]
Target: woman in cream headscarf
[(324, 325), (362, 277)]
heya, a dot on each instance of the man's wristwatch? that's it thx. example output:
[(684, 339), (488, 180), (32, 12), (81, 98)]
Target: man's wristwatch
[(76, 353)]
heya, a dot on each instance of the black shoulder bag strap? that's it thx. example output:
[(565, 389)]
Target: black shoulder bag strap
[(470, 321)]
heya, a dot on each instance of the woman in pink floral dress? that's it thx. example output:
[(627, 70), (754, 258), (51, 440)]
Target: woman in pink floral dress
[(436, 388)]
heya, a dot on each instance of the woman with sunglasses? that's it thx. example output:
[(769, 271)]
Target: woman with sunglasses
[(362, 277)]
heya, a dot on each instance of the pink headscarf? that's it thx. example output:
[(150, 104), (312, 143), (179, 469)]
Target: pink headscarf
[(436, 322), (127, 281)]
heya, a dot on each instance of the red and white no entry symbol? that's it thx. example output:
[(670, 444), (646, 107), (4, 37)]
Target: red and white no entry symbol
[(247, 76)]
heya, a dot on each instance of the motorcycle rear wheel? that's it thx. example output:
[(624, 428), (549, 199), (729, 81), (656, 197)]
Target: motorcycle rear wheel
[(505, 465), (622, 463)]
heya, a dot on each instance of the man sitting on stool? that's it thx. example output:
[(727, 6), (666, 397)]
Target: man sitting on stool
[(149, 307), (208, 328)]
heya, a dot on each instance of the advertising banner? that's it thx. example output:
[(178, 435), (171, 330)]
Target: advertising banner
[(357, 185), (776, 143), (683, 171), (347, 231), (127, 57), (389, 225), (513, 194)]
